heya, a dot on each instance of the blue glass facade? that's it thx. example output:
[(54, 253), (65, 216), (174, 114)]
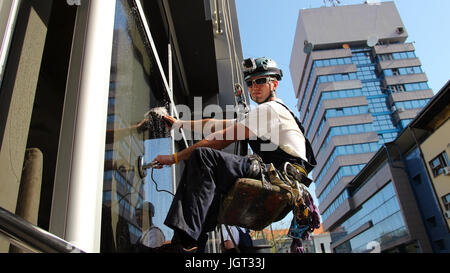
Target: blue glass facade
[(378, 105), (351, 170), (388, 226), (371, 88), (346, 150)]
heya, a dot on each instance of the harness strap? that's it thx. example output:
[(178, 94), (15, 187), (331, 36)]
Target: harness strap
[(300, 168), (276, 180)]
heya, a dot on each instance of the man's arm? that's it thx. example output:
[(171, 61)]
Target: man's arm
[(212, 125), (117, 134), (218, 141)]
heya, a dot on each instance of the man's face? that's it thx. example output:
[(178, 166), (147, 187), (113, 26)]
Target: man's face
[(260, 90)]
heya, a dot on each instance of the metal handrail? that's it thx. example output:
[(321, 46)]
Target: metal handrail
[(5, 41), (31, 238)]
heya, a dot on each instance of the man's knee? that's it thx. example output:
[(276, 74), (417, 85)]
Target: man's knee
[(197, 155), (201, 152)]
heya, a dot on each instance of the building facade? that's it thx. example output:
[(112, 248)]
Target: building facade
[(397, 202), (358, 84), (432, 124), (76, 79)]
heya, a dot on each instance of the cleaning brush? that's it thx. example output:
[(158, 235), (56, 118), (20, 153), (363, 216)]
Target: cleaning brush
[(155, 122)]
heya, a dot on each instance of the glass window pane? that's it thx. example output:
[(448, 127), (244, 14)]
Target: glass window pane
[(136, 87)]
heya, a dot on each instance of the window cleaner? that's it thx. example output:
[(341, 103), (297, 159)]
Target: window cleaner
[(263, 184)]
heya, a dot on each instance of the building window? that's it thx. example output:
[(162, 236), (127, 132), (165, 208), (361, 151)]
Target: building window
[(351, 170), (446, 201), (416, 86), (383, 210), (386, 57), (136, 85), (378, 105), (408, 87), (403, 71), (331, 62), (411, 104), (397, 56), (322, 247), (438, 163), (397, 88)]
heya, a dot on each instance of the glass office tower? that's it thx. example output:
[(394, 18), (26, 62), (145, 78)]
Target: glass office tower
[(358, 84)]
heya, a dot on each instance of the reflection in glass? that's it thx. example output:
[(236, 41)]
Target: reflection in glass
[(151, 236), (136, 86)]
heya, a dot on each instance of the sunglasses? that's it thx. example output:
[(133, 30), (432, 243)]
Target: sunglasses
[(258, 81)]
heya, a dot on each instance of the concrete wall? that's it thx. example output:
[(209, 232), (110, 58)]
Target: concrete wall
[(435, 144), (350, 23), (17, 97)]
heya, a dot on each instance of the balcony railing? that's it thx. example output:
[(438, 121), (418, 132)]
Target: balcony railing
[(30, 238)]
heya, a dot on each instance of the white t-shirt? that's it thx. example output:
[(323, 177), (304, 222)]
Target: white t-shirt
[(272, 121)]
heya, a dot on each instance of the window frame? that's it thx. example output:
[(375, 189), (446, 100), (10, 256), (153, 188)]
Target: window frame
[(437, 170), (445, 202)]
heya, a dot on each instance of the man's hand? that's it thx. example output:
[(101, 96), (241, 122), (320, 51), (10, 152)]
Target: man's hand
[(169, 120), (164, 160)]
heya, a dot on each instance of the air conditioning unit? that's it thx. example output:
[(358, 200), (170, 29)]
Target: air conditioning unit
[(400, 109), (447, 214), (447, 170), (394, 108)]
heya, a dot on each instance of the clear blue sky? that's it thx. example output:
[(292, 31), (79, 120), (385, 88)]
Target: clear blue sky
[(267, 28)]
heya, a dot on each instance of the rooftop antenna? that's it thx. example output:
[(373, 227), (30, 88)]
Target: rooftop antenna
[(333, 3)]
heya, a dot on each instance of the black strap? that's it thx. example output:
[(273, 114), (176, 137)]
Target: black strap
[(295, 118), (309, 151)]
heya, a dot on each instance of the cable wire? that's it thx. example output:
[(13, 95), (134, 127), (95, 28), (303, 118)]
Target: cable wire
[(156, 184)]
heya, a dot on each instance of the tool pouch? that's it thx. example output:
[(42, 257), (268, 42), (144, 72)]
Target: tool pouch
[(257, 201), (254, 204)]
